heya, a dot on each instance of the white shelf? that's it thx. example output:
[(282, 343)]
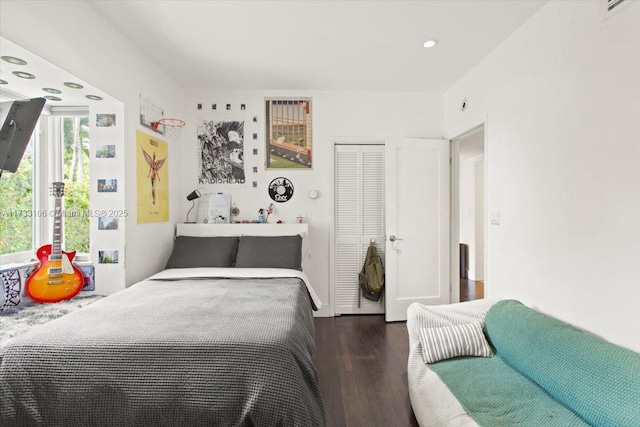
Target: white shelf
[(226, 230)]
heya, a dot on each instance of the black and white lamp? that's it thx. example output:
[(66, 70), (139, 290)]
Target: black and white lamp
[(195, 194)]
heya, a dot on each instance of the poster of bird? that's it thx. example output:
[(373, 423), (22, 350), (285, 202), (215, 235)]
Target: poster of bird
[(152, 179), (288, 133)]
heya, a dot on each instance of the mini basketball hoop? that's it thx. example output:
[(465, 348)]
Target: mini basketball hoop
[(170, 128)]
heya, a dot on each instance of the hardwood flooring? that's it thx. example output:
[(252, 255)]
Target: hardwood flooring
[(470, 290), (362, 369)]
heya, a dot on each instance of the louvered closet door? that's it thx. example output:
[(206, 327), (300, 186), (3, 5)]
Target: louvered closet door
[(359, 218)]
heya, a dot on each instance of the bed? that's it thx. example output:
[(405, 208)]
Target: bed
[(192, 345)]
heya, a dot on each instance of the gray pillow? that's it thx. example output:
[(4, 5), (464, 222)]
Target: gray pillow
[(270, 252), (190, 252)]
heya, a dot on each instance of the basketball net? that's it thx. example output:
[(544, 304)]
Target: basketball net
[(170, 128)]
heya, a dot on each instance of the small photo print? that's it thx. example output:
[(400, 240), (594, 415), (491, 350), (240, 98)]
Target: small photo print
[(243, 107), (255, 151), (214, 106), (255, 184), (105, 120), (107, 223), (106, 152), (255, 119), (88, 272), (228, 107), (107, 185), (255, 136), (255, 169), (108, 257)]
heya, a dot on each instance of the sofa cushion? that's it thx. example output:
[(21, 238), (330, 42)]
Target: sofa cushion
[(453, 341), (599, 381)]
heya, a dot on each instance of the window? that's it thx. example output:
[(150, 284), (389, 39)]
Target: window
[(17, 222), (75, 140), (62, 155)]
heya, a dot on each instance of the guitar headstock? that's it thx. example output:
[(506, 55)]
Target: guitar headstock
[(57, 189)]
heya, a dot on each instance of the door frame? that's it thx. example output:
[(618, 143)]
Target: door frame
[(454, 291), (455, 209), (340, 140)]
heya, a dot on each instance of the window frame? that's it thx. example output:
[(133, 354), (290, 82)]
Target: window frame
[(48, 149)]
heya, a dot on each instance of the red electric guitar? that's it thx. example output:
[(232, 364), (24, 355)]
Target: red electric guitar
[(56, 279)]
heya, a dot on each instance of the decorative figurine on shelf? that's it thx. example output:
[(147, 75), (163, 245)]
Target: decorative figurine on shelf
[(269, 212), (262, 218)]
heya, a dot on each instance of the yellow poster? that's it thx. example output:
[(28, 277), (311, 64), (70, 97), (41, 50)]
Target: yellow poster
[(152, 179)]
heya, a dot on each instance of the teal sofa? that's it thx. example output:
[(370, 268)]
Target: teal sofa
[(544, 372)]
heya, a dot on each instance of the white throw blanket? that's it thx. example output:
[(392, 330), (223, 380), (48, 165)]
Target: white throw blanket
[(433, 404)]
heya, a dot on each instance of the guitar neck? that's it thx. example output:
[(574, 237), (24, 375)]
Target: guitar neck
[(56, 245)]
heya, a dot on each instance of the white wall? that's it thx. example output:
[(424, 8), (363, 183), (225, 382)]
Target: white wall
[(472, 213), (561, 98), (73, 36), (478, 253), (375, 115)]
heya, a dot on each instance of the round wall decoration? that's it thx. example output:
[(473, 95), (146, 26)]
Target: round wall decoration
[(281, 190)]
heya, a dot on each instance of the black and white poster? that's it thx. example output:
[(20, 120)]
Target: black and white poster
[(221, 153)]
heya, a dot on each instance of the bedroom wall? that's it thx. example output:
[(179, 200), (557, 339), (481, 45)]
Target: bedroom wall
[(561, 98), (335, 114), (73, 36), (471, 213)]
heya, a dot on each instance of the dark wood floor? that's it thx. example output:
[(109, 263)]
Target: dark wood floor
[(470, 290), (362, 369)]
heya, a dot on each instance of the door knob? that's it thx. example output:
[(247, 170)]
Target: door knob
[(393, 238)]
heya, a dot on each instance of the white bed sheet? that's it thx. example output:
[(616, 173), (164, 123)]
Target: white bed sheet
[(203, 272)]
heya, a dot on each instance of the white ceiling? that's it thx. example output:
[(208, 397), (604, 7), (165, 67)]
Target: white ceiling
[(317, 45), (48, 79)]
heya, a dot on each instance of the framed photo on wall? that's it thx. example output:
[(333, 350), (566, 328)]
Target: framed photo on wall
[(288, 133)]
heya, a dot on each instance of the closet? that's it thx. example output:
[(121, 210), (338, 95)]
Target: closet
[(359, 220)]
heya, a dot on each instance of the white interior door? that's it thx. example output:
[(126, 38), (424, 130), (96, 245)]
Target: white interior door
[(417, 224)]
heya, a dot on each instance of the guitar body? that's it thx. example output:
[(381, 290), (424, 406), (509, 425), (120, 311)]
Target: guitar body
[(55, 279)]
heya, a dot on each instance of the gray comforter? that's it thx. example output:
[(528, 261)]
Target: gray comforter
[(197, 352)]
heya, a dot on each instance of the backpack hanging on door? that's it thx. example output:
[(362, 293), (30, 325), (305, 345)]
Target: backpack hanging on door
[(371, 278)]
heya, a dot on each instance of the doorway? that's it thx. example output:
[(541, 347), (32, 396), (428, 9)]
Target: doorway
[(468, 215)]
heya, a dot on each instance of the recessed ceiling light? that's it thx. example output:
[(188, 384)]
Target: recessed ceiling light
[(53, 98), (94, 97), (14, 60), (73, 85), (430, 43), (51, 90), (23, 75)]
